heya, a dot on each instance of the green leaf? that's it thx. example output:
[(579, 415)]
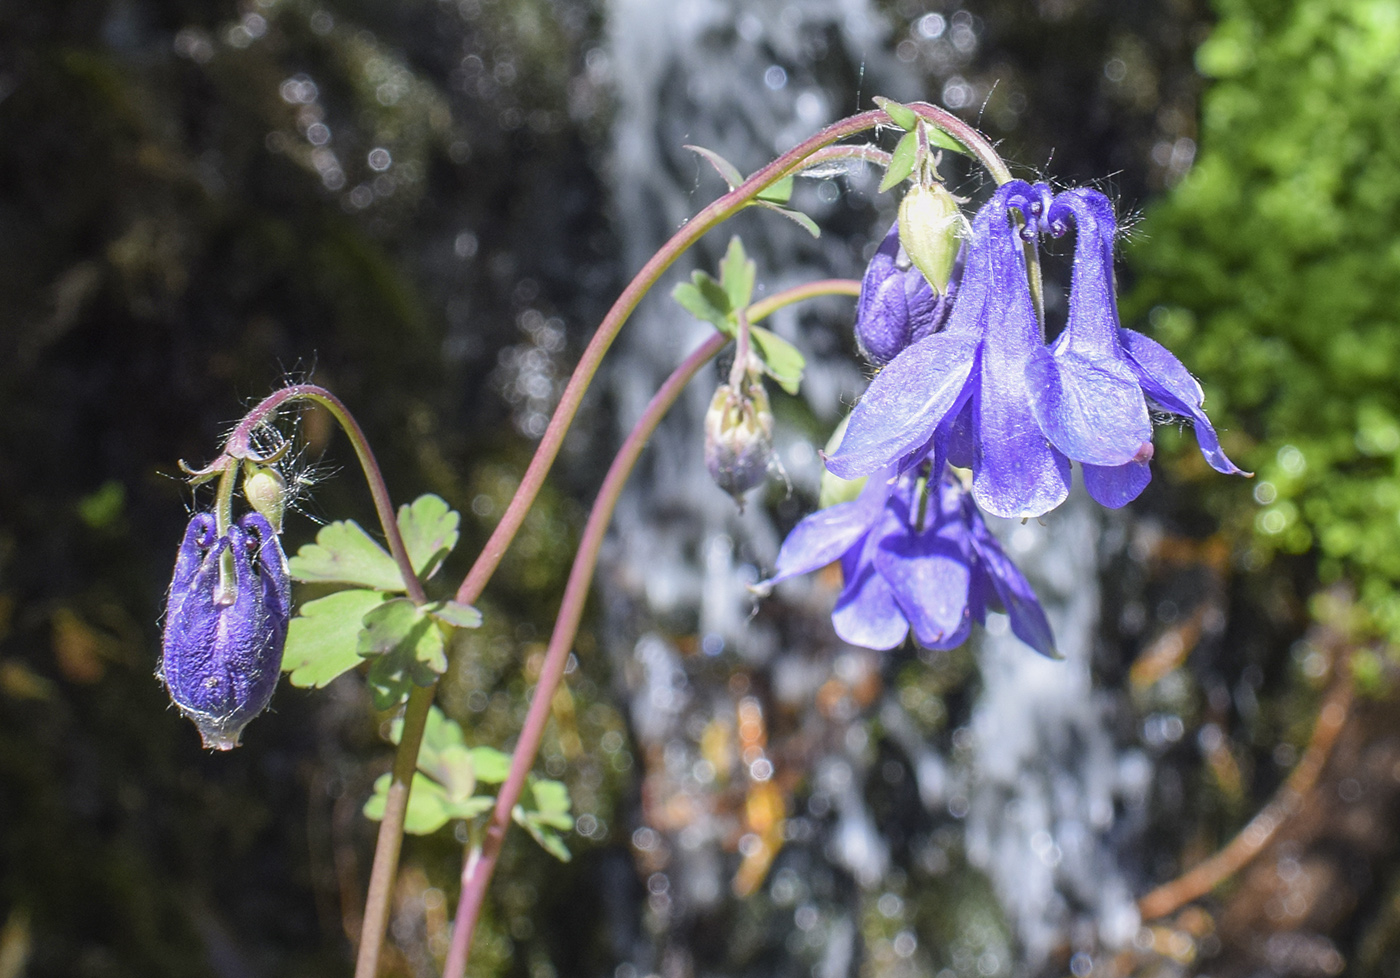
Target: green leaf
[(427, 805), (693, 301), (400, 629), (727, 170), (344, 553), (778, 193), (492, 766), (715, 294), (781, 359), (736, 275), (550, 803), (390, 681), (900, 115), (706, 299), (445, 757), (455, 614), (544, 813), (937, 137), (429, 808), (322, 641), (470, 807), (902, 162), (429, 528), (797, 217)]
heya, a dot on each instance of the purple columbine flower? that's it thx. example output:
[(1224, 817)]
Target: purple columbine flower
[(1090, 389), (222, 648), (985, 393), (897, 305), (909, 562), (961, 393)]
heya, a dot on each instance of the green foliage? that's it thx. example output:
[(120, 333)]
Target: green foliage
[(901, 161), (772, 197), (543, 811), (445, 784), (1274, 270), (429, 528), (406, 643), (719, 304), (900, 115), (322, 641), (345, 554)]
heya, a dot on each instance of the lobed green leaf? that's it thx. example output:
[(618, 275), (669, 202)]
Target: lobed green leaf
[(345, 554), (430, 530), (323, 640)]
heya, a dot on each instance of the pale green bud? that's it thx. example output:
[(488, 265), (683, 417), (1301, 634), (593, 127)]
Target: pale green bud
[(930, 230), (266, 492)]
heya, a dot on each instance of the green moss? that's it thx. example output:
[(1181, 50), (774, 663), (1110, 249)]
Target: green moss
[(1272, 269)]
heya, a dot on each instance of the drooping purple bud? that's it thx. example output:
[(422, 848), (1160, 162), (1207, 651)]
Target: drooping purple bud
[(897, 304), (225, 626)]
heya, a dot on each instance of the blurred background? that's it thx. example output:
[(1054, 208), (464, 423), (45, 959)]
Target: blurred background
[(427, 206)]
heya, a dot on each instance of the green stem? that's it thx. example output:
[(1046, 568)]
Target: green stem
[(476, 878)]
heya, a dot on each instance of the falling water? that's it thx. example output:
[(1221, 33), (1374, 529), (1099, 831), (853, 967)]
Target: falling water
[(1042, 796)]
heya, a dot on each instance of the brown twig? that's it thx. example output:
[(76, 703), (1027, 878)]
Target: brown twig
[(1201, 879)]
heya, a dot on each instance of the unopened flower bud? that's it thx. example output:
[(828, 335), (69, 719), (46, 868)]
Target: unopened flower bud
[(266, 492), (897, 304), (930, 229), (739, 438), (222, 648)]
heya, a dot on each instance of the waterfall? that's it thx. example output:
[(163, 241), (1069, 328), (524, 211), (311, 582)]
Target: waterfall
[(1038, 802)]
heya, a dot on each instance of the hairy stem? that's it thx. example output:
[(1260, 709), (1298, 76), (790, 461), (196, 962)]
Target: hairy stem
[(390, 838), (477, 877)]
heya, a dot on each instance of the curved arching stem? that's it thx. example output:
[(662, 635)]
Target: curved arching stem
[(476, 875)]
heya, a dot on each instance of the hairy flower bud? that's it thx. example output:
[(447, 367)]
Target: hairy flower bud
[(266, 492), (739, 438), (225, 626), (931, 230)]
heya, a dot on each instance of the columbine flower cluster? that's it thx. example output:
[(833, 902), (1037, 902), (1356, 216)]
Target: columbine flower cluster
[(969, 381), (986, 393)]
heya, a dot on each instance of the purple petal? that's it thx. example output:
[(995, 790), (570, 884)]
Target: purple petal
[(905, 404), (929, 311), (825, 535), (1093, 309), (1028, 620), (866, 613), (1016, 472), (1115, 486), (929, 576), (1168, 383), (1091, 408), (1084, 391)]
